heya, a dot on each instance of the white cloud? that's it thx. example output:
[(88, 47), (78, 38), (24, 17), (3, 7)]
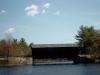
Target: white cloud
[(2, 11), (32, 10), (57, 13), (43, 11), (46, 5), (10, 30), (45, 8)]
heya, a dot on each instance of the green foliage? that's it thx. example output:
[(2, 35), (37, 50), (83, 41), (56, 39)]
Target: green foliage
[(89, 40), (31, 44)]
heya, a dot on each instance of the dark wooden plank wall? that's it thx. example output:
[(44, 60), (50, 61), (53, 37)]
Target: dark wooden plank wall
[(55, 52)]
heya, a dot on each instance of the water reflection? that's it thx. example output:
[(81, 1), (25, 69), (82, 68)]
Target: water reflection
[(91, 69)]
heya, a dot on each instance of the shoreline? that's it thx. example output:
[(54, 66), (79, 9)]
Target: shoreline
[(19, 61)]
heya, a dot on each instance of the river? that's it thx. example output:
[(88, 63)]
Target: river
[(79, 69)]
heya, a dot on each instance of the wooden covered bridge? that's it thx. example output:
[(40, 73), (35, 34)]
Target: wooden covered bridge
[(54, 51)]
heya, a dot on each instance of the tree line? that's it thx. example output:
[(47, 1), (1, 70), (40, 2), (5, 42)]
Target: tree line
[(89, 41), (14, 48)]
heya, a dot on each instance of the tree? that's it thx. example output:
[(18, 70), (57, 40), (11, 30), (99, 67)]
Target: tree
[(87, 37), (31, 44), (3, 48), (24, 49), (14, 48)]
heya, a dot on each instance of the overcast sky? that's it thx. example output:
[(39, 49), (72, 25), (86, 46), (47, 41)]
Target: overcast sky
[(47, 21)]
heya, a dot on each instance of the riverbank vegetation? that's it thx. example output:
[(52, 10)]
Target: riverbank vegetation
[(89, 42), (13, 50)]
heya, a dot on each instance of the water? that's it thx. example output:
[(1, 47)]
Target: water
[(90, 69)]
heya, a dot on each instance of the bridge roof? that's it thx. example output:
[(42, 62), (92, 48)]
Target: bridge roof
[(53, 45)]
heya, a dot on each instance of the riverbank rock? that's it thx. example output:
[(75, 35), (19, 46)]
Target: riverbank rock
[(20, 60)]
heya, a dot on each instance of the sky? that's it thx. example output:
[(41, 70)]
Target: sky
[(47, 21)]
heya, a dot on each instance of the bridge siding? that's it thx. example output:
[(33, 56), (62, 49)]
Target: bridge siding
[(55, 52)]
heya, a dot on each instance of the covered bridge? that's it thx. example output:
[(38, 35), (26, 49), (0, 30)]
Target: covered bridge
[(53, 51)]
